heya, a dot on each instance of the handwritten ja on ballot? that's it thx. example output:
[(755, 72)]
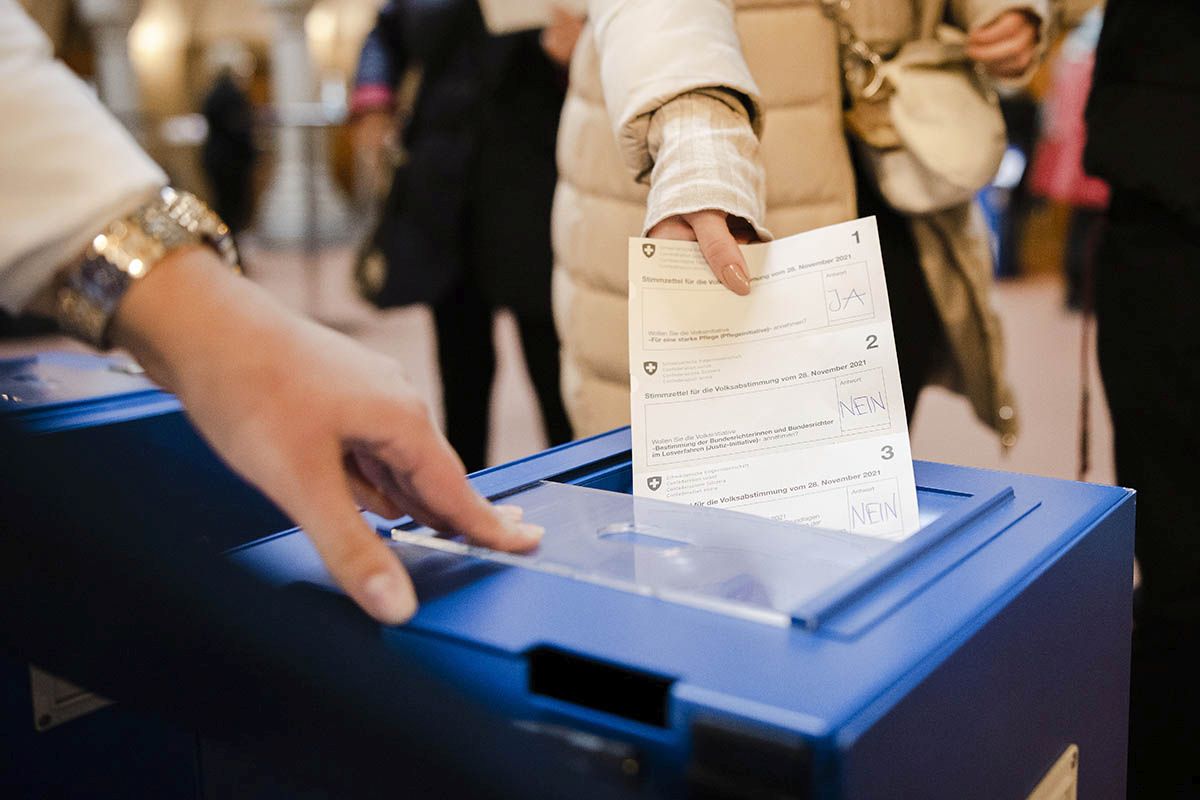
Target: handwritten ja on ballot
[(785, 403)]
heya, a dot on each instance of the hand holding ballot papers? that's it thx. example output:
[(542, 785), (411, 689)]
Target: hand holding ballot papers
[(785, 402)]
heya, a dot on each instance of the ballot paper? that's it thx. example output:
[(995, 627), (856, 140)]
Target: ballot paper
[(507, 16), (785, 403)]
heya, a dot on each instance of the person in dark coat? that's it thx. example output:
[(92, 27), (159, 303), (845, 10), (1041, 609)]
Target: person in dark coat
[(1143, 126), (229, 153), (467, 228)]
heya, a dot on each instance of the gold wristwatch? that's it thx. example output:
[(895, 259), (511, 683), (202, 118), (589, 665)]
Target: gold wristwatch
[(91, 288)]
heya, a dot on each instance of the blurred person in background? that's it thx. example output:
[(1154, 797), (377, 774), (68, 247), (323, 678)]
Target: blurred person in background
[(466, 225), (1020, 109), (1143, 121), (1057, 169), (687, 88), (229, 152)]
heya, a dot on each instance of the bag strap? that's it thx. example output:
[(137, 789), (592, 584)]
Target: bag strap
[(857, 53), (930, 14)]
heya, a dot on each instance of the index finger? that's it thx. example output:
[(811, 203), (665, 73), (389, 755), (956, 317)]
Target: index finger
[(436, 493)]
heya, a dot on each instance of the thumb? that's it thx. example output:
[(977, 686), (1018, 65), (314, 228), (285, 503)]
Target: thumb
[(355, 556), (720, 249)]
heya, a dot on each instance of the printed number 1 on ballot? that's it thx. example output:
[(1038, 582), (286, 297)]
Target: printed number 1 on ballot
[(785, 403)]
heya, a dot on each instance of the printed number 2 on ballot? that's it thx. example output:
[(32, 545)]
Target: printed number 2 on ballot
[(785, 403)]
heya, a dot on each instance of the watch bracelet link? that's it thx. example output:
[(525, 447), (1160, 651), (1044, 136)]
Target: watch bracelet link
[(91, 289)]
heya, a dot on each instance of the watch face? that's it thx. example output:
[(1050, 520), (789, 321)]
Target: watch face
[(127, 251)]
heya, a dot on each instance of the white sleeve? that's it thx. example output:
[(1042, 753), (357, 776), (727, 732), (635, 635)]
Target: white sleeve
[(67, 166), (652, 51), (705, 157)]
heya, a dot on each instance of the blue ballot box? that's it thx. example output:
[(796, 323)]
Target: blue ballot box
[(704, 653), (57, 739), (106, 405), (985, 657)]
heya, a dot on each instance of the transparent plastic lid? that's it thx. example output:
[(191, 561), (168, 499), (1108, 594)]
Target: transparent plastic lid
[(723, 561)]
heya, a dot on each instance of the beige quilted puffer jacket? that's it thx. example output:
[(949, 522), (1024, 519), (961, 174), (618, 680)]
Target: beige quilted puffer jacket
[(781, 57)]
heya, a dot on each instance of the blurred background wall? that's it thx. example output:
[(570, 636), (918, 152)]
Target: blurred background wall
[(152, 61)]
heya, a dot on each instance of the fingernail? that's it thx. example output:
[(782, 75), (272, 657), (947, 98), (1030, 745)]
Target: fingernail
[(388, 598), (735, 279), (531, 531), (510, 512)]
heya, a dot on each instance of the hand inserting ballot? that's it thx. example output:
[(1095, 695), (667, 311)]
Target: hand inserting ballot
[(313, 419)]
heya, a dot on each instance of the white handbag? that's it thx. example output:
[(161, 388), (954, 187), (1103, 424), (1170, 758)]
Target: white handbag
[(927, 121)]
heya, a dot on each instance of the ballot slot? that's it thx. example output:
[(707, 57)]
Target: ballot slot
[(613, 477), (721, 561), (942, 514)]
